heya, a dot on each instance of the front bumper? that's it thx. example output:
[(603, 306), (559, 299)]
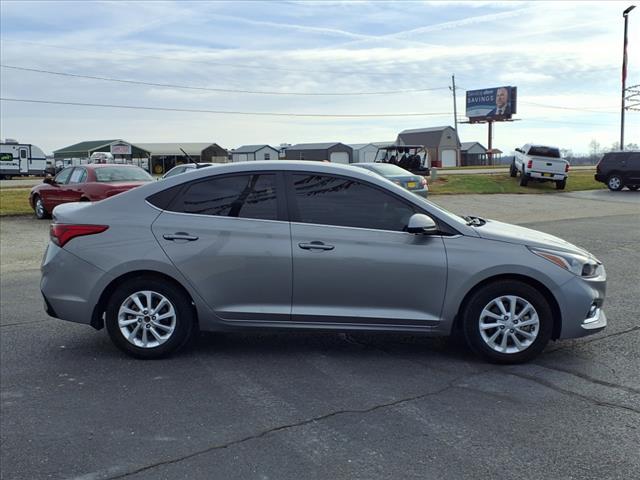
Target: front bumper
[(581, 307)]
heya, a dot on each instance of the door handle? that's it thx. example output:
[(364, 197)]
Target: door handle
[(315, 246), (180, 236)]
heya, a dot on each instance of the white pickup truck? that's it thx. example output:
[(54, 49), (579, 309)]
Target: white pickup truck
[(540, 163)]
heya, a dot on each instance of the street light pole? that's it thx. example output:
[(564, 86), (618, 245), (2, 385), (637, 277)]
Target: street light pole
[(625, 14)]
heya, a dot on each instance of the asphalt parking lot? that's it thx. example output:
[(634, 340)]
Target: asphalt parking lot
[(328, 406)]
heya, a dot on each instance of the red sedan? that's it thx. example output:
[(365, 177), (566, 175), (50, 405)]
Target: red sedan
[(85, 183)]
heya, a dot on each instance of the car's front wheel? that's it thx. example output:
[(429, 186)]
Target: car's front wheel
[(38, 208), (148, 317), (513, 171), (507, 322), (615, 182)]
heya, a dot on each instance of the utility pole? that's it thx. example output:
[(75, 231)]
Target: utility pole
[(625, 14), (455, 116)]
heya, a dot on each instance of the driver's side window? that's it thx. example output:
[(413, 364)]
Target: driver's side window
[(63, 177)]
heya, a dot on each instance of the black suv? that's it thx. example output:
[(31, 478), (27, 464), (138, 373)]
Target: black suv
[(619, 169)]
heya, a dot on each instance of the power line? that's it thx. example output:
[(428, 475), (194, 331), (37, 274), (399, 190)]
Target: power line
[(219, 90), (225, 112), (563, 107)]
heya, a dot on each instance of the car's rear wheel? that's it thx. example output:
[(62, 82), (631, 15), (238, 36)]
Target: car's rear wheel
[(148, 317), (633, 187), (507, 322), (524, 180), (614, 182), (560, 184), (38, 208)]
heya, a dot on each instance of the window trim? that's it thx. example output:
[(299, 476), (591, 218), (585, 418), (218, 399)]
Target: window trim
[(281, 203), (71, 169)]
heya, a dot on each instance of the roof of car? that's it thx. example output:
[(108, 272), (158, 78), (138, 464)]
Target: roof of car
[(103, 165)]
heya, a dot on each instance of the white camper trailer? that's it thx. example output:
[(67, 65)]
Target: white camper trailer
[(21, 159)]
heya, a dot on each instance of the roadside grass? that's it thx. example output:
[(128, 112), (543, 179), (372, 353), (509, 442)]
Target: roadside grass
[(14, 201), (503, 183)]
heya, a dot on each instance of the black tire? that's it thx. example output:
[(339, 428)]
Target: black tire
[(615, 183), (560, 184), (471, 316), (38, 208), (184, 327), (513, 171), (633, 187), (524, 180)]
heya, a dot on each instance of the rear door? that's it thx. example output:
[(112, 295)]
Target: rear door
[(353, 263), (229, 236)]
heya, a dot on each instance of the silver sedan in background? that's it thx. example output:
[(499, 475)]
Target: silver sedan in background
[(414, 183), (310, 245)]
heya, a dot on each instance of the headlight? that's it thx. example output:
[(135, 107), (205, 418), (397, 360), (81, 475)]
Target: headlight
[(577, 264)]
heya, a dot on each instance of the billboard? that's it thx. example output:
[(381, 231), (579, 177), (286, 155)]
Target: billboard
[(120, 149), (497, 103)]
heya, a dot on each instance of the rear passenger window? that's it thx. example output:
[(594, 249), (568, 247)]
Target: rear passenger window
[(244, 196), (345, 202)]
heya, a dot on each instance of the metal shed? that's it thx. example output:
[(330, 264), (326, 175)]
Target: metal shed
[(123, 152), (333, 152), (473, 153), (166, 155), (442, 143), (254, 152)]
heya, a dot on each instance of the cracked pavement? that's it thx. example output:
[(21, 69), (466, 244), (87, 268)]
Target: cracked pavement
[(329, 405)]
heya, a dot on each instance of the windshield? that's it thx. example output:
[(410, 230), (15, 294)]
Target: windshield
[(544, 152), (122, 174)]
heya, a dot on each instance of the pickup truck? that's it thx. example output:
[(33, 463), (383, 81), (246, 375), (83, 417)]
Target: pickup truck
[(540, 163)]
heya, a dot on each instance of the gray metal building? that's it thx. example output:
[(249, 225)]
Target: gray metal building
[(473, 153), (247, 153), (442, 143), (335, 152)]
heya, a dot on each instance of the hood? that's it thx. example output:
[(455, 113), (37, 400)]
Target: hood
[(506, 232)]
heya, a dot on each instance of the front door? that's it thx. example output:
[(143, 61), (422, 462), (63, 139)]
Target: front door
[(229, 237), (353, 265), (24, 160)]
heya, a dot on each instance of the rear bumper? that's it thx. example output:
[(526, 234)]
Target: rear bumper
[(68, 285), (547, 176)]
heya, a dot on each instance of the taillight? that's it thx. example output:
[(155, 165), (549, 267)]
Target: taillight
[(566, 169), (530, 164), (61, 233)]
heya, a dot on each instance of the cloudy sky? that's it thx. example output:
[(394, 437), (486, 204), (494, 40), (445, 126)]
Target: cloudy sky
[(376, 59)]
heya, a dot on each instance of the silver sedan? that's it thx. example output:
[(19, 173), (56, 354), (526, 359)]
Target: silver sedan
[(306, 245)]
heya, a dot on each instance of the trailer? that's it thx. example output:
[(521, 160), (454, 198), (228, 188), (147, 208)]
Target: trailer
[(21, 159)]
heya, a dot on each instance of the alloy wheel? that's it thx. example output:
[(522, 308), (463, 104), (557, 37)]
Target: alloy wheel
[(147, 319), (509, 324)]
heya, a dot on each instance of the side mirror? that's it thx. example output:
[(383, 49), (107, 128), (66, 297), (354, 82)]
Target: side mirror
[(49, 180), (420, 223)]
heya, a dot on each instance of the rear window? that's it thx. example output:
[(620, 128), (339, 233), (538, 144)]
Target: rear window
[(122, 174), (544, 152)]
